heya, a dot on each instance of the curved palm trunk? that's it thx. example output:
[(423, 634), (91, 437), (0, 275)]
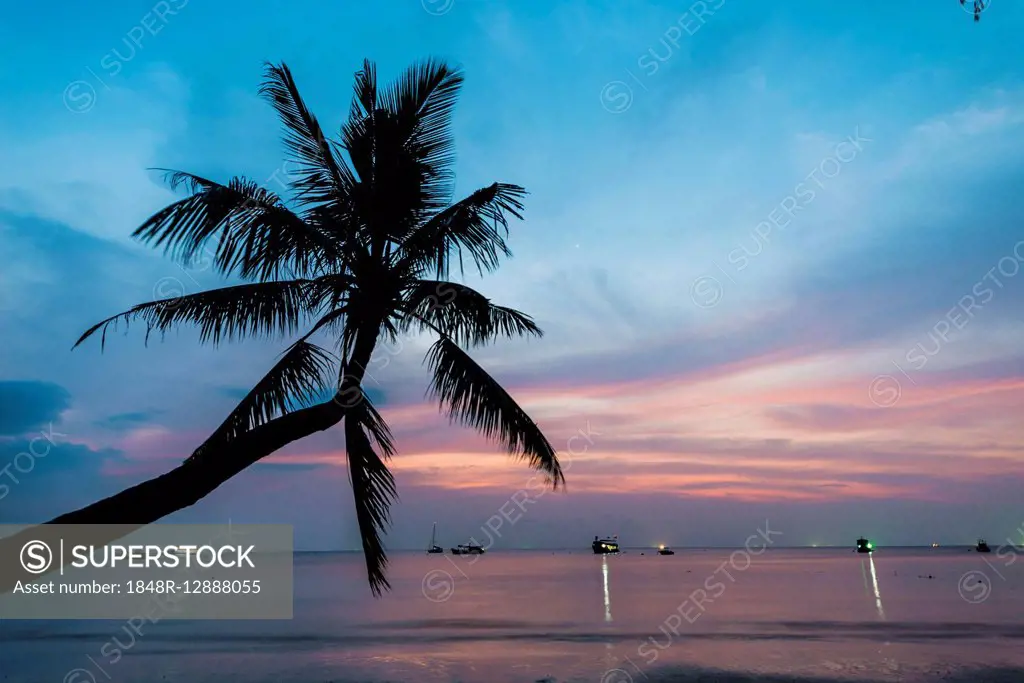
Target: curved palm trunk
[(180, 488), (188, 483)]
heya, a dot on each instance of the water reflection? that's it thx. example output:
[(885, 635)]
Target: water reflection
[(607, 597), (874, 582)]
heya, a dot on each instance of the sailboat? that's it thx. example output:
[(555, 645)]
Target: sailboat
[(434, 548)]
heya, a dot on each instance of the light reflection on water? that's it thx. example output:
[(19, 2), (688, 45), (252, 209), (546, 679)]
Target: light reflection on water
[(607, 596), (523, 616), (874, 582)]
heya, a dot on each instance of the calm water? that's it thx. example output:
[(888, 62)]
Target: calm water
[(524, 616)]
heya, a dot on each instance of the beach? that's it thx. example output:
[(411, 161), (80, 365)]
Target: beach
[(525, 616)]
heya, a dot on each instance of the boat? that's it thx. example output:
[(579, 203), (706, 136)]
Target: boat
[(982, 546), (605, 546), (469, 549), (434, 548), (865, 546), (662, 550)]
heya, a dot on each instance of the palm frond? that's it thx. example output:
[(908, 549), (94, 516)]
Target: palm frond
[(424, 97), (323, 176), (400, 142), (260, 308), (255, 233), (364, 96), (420, 104), (332, 320), (373, 488), (298, 378), (340, 221), (358, 132), (474, 398), (331, 290), (473, 224), (464, 314), (374, 424)]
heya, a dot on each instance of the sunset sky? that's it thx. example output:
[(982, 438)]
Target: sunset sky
[(775, 250)]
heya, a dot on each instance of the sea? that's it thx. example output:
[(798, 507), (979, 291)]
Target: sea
[(715, 614)]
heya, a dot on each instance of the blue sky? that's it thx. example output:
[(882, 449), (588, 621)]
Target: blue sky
[(724, 389)]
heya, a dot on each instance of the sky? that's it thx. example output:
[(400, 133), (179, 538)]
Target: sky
[(775, 249)]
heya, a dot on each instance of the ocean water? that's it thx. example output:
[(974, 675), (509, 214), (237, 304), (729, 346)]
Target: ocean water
[(517, 616)]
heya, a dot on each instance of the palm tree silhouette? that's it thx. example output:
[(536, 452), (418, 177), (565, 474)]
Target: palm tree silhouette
[(365, 254)]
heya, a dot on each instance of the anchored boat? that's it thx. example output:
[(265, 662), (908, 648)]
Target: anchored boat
[(605, 546), (864, 545), (468, 550)]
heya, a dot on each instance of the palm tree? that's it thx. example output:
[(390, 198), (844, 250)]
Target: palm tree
[(362, 252)]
